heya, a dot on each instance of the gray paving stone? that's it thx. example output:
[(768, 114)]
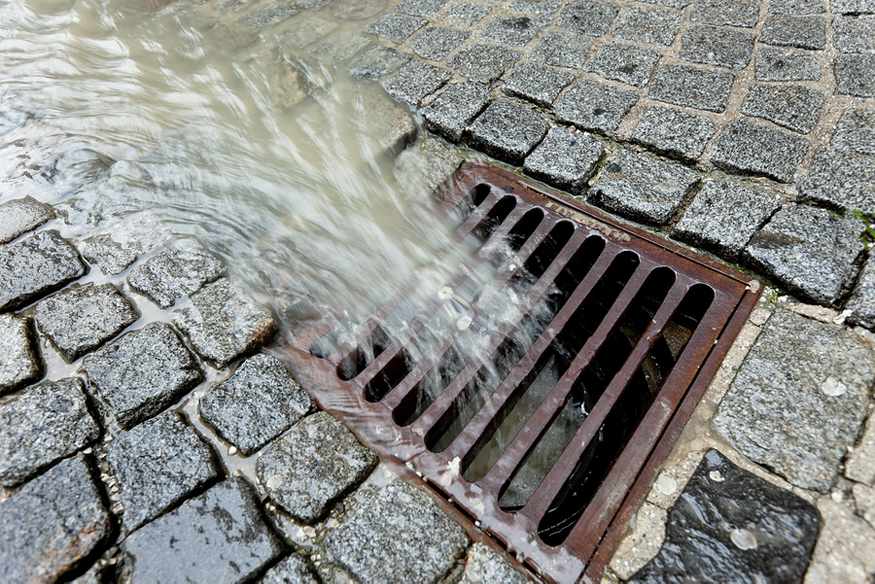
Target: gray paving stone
[(19, 216), (724, 217), (141, 373), (390, 127), (854, 34), (805, 32), (674, 132), (797, 7), (175, 273), (753, 148), (855, 132), (437, 43), (397, 27), (862, 301), (486, 565), (537, 83), (589, 17), (415, 81), (377, 62), (544, 9), (110, 256), (594, 106), (657, 26), (421, 7), (158, 464), (396, 533), (50, 524), (779, 64), (743, 13), (853, 6), (670, 3), (795, 107), (855, 75), (463, 13), (312, 465), (690, 86), (624, 63), (511, 31), (562, 49), (292, 570), (41, 425), (484, 63), (565, 159), (840, 179), (19, 362), (508, 130), (810, 251), (256, 404), (454, 108), (34, 266), (731, 526), (218, 536), (222, 323), (717, 45), (799, 373), (642, 187)]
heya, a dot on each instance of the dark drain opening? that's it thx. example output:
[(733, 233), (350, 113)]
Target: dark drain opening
[(496, 216), (356, 361)]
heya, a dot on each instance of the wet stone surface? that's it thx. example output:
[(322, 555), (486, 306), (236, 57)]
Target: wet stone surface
[(437, 43), (594, 106), (673, 131), (110, 256), (34, 266), (41, 425), (731, 526), (484, 63), (486, 565), (508, 130), (19, 363), (19, 216), (799, 372), (754, 148), (454, 108), (397, 27), (175, 273), (256, 404), (415, 81), (565, 159), (696, 87), (312, 465)]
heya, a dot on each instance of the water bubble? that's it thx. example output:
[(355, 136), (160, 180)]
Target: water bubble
[(833, 387), (743, 539), (716, 476)]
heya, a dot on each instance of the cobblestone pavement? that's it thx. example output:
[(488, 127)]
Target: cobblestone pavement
[(149, 433)]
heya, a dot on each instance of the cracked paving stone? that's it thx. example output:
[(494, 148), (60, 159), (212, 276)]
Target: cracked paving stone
[(377, 62), (312, 465), (804, 32), (158, 464), (141, 373), (717, 45), (486, 565), (257, 403), (19, 216), (854, 34), (744, 13), (437, 43), (624, 63), (724, 217), (642, 187), (513, 31), (853, 6), (292, 570), (222, 323), (562, 49), (421, 7), (855, 132), (218, 536), (839, 179), (33, 267), (795, 107), (589, 17), (594, 106), (415, 81), (41, 425), (110, 256), (799, 373), (484, 63), (19, 362), (780, 64), (397, 27), (537, 83), (394, 533), (656, 26), (673, 131), (732, 526), (855, 75), (845, 551), (689, 86), (565, 159), (454, 108), (753, 148), (50, 524), (797, 7), (508, 131), (810, 251), (80, 319), (862, 301), (175, 273)]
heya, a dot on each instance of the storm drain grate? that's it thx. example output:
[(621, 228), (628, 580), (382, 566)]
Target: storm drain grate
[(550, 450)]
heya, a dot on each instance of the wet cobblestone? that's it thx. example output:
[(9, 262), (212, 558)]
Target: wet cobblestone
[(19, 363), (34, 266)]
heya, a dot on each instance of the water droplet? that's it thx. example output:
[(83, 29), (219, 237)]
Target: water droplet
[(666, 484), (833, 387), (463, 323), (743, 539), (716, 476), (445, 293)]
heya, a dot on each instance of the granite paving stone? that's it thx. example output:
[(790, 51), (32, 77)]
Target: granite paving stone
[(454, 108), (158, 464), (624, 63), (594, 106), (391, 127), (860, 465), (35, 266), (437, 43), (862, 301), (724, 216), (19, 216), (175, 273), (377, 62), (537, 83), (840, 179), (744, 13), (855, 74), (511, 31), (795, 107), (670, 3), (864, 498), (141, 373), (50, 524), (854, 34), (797, 7), (41, 425), (689, 86), (463, 13), (218, 536), (484, 63), (658, 26), (415, 81), (292, 570), (780, 64), (395, 533), (749, 147), (397, 27), (729, 525), (674, 132), (589, 17), (421, 7), (565, 159), (223, 323), (855, 132), (110, 256), (544, 9), (486, 565), (19, 362), (562, 49), (257, 403), (508, 130), (853, 6), (811, 251), (717, 45), (805, 32), (845, 551), (642, 187), (312, 465)]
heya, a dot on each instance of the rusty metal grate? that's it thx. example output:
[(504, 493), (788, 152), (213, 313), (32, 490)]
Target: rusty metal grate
[(557, 446)]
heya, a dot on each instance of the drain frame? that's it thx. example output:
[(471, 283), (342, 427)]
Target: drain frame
[(598, 531)]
